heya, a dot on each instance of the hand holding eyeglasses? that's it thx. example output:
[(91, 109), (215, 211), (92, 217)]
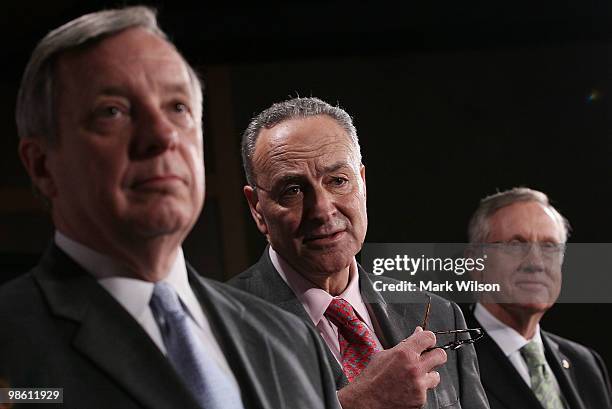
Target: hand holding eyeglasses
[(474, 333), (398, 377)]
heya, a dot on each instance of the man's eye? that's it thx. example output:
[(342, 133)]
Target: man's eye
[(180, 107), (292, 191), (338, 181), (110, 111)]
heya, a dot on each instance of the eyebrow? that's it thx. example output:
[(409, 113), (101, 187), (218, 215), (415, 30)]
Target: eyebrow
[(521, 238), (173, 88), (287, 178), (336, 166)]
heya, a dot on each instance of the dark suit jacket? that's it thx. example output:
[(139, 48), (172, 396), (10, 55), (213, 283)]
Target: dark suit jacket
[(60, 328), (585, 383), (460, 384)]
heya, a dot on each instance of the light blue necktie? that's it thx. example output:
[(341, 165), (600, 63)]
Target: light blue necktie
[(211, 386)]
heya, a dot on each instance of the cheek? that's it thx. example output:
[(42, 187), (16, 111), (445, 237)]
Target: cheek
[(194, 158), (284, 222)]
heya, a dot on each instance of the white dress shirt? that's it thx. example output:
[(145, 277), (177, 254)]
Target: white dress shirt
[(316, 300), (134, 294), (511, 342)]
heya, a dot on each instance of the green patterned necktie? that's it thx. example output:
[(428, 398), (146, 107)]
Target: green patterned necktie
[(542, 381)]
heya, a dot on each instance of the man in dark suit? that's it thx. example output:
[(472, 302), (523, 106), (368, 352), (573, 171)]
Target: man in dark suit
[(522, 366), (307, 194), (109, 116)]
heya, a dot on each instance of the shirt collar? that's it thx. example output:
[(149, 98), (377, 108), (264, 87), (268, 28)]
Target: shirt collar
[(133, 294), (507, 338), (316, 300)]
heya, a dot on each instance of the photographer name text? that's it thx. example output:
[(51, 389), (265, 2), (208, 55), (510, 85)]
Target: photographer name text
[(448, 286)]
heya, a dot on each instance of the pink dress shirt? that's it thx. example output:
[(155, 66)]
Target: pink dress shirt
[(316, 300)]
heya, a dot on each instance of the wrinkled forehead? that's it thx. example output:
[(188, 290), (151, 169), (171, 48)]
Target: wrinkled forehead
[(134, 53), (528, 221), (317, 143)]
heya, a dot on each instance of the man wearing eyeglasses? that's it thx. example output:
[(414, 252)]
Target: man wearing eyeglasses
[(523, 239), (307, 194)]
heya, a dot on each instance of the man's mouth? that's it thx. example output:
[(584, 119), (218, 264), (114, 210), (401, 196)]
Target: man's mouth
[(324, 238), (152, 182)]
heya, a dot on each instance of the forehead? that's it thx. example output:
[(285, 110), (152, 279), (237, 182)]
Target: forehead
[(302, 142), (530, 221), (123, 59)]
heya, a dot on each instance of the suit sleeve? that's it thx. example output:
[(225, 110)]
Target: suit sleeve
[(471, 392)]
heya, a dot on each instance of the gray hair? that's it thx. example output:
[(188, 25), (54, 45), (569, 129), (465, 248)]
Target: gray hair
[(286, 110), (35, 111), (478, 227)]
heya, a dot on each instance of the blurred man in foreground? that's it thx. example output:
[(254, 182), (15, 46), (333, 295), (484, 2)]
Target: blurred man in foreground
[(109, 116)]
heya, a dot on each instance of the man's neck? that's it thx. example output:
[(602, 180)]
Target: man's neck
[(523, 321), (149, 260), (336, 283)]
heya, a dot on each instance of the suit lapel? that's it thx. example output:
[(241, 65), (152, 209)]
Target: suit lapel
[(281, 295), (108, 336), (393, 322), (499, 377), (564, 373), (239, 347)]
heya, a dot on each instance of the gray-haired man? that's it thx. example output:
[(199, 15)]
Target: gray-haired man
[(307, 194), (109, 116), (524, 237)]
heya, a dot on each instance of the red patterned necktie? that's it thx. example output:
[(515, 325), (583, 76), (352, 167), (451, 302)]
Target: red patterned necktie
[(357, 344)]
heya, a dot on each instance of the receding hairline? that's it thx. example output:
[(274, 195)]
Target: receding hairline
[(548, 209), (270, 127)]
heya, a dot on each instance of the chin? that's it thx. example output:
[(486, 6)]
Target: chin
[(162, 224), (533, 308), (332, 264)]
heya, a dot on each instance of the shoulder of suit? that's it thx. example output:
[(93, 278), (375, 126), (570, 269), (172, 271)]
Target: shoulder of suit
[(241, 280), (245, 279), (259, 311), (571, 347), (18, 291)]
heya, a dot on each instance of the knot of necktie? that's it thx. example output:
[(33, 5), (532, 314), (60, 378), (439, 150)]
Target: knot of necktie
[(342, 314), (533, 354)]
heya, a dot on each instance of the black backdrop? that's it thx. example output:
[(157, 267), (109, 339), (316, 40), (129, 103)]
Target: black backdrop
[(450, 102)]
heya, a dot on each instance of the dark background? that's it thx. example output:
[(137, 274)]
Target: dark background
[(452, 101)]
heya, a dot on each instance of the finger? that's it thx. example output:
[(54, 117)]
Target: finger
[(419, 341), (416, 330), (431, 379), (433, 359), (424, 340)]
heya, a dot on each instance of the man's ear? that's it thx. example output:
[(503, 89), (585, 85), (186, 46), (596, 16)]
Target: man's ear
[(363, 179), (34, 156), (255, 207)]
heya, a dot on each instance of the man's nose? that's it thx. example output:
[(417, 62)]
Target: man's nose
[(155, 134), (320, 205), (534, 260)]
